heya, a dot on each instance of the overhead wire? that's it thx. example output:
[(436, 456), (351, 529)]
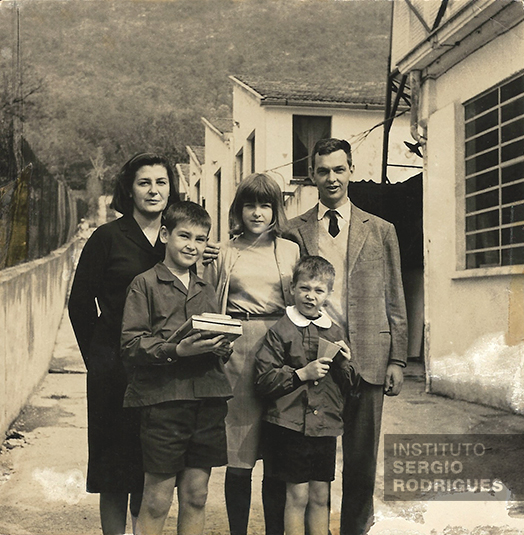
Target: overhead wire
[(355, 141)]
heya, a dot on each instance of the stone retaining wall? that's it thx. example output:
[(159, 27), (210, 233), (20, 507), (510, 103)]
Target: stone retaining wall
[(32, 299)]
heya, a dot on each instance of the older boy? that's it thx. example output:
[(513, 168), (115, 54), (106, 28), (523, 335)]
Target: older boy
[(303, 391), (181, 387)]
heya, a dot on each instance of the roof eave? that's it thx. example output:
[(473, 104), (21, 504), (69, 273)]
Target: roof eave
[(193, 155), (321, 104), (247, 88), (223, 135), (461, 35), (181, 173)]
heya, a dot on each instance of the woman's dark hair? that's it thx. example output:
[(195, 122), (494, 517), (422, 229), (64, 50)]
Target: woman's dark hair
[(122, 200), (258, 187)]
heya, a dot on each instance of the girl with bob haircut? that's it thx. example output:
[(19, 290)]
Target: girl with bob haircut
[(114, 254), (252, 277), (261, 187)]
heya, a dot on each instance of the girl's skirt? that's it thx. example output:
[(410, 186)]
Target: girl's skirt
[(244, 415)]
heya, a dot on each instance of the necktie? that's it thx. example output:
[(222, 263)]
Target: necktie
[(333, 228)]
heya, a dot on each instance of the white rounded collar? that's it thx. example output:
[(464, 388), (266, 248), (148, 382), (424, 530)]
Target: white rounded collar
[(323, 321)]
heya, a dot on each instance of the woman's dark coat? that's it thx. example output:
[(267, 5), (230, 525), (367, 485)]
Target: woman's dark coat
[(112, 257)]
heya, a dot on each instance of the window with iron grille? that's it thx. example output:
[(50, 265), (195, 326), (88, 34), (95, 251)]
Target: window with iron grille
[(494, 171)]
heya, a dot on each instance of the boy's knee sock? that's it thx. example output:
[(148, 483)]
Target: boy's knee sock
[(274, 502), (238, 499)]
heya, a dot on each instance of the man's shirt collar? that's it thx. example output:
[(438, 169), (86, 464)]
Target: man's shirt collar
[(323, 321), (343, 211)]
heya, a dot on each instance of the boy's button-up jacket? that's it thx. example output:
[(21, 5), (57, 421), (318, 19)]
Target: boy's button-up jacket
[(157, 305), (314, 407)]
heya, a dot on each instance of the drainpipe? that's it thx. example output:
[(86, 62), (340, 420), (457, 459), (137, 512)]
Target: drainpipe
[(415, 82), (419, 134)]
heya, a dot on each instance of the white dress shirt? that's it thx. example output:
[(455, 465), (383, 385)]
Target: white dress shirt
[(343, 214)]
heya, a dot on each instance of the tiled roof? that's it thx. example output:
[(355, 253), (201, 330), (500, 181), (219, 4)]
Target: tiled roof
[(200, 153), (293, 91), (184, 171), (223, 125)]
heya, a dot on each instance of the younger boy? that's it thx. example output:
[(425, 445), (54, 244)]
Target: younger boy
[(180, 387), (304, 395)]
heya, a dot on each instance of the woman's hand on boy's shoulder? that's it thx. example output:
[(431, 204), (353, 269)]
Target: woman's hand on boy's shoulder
[(210, 253)]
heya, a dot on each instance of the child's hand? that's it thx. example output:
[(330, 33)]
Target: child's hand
[(344, 349), (225, 350), (316, 369), (196, 345)]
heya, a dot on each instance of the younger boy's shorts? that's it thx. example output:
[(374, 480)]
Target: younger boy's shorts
[(183, 434), (295, 458)]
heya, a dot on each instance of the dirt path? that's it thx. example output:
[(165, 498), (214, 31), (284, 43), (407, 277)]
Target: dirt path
[(43, 464)]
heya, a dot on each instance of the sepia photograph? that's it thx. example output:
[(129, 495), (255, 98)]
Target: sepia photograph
[(232, 230)]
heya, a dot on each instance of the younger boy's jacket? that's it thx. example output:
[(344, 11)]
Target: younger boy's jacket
[(313, 407), (157, 305)]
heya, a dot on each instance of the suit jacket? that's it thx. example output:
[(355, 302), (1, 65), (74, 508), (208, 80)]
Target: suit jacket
[(376, 310)]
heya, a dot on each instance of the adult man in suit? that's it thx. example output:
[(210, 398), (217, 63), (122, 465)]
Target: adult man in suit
[(368, 302)]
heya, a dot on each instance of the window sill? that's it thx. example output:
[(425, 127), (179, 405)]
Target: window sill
[(301, 181), (488, 272)]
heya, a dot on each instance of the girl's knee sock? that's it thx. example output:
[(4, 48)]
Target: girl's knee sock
[(238, 499)]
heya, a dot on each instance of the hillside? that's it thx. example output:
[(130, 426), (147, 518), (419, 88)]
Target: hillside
[(127, 75)]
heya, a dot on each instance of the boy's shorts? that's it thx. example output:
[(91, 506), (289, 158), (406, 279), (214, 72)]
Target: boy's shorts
[(183, 434), (295, 458)]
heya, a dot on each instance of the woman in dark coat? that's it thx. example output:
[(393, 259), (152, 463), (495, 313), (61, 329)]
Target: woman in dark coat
[(111, 258)]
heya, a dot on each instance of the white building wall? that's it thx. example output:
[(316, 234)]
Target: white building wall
[(304, 198), (195, 177), (345, 124), (273, 127), (352, 125), (274, 137), (475, 318), (218, 157), (248, 116), (279, 142)]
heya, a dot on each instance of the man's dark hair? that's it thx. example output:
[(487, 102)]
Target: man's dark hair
[(122, 199), (329, 145), (314, 267), (186, 212)]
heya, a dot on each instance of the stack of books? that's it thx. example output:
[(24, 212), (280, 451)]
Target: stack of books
[(209, 325)]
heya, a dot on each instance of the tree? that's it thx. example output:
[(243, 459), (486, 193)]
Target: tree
[(95, 181), (18, 85)]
